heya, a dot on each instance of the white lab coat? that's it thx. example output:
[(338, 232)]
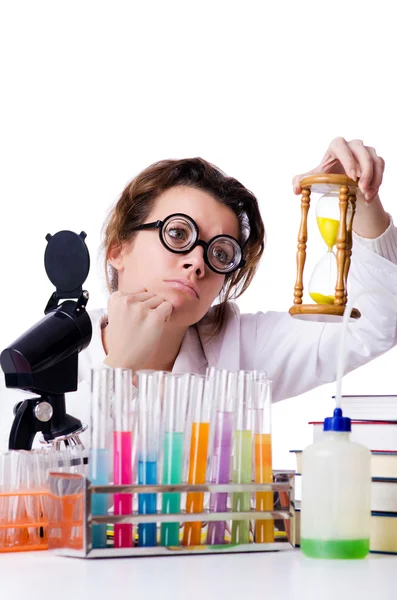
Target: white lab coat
[(297, 355)]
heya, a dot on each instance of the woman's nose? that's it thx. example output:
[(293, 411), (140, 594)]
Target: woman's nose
[(194, 261)]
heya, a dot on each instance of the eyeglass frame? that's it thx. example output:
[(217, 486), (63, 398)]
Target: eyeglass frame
[(205, 245)]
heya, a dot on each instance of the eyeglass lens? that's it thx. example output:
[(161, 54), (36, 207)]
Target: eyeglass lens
[(180, 235)]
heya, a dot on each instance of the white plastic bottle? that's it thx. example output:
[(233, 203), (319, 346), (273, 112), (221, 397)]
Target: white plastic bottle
[(336, 494)]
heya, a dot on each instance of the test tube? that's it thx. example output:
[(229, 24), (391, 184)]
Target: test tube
[(4, 500), (101, 390), (176, 392), (264, 529), (212, 375), (30, 503), (70, 505), (149, 413), (16, 517), (122, 452), (20, 517), (242, 460), (199, 419), (225, 401)]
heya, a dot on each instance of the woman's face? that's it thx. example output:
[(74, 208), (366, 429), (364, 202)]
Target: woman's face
[(146, 263)]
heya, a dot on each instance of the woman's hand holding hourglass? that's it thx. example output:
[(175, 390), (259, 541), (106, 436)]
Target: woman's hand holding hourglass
[(361, 162)]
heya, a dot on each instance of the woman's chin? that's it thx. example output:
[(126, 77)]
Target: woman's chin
[(185, 312), (180, 300), (179, 303)]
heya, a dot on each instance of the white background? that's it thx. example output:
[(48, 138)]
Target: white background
[(91, 92)]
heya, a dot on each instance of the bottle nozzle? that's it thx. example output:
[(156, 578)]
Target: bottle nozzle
[(337, 422)]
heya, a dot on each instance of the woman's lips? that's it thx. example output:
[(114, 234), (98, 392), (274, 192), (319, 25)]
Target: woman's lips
[(183, 287)]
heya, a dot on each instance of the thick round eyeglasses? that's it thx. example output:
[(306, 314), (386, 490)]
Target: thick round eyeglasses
[(180, 234)]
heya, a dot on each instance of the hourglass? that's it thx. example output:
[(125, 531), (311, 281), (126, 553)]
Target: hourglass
[(334, 216)]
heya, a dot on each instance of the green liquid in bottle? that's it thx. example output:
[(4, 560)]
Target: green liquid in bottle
[(335, 548)]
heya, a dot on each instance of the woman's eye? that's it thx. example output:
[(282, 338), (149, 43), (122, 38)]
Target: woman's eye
[(221, 255), (177, 233)]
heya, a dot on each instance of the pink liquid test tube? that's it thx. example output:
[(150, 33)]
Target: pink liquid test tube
[(123, 452)]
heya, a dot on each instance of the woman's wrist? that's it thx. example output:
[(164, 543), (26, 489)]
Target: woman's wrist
[(370, 219), (385, 245)]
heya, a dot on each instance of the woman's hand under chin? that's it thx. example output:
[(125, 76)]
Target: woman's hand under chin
[(135, 325)]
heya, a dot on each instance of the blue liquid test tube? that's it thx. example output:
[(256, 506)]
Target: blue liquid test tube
[(149, 419), (101, 389)]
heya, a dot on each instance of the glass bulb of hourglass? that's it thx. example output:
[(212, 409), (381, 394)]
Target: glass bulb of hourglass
[(323, 280), (328, 215)]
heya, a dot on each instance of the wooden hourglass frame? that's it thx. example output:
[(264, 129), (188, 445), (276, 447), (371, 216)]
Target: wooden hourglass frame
[(347, 198)]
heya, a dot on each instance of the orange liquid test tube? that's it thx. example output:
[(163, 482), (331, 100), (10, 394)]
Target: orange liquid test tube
[(199, 418), (264, 529), (197, 474)]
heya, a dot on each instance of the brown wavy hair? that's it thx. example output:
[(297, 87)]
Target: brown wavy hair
[(139, 197)]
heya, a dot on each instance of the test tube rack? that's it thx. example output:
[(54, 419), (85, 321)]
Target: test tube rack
[(70, 534)]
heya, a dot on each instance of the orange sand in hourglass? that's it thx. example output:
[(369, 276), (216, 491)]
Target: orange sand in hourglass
[(264, 530), (329, 232)]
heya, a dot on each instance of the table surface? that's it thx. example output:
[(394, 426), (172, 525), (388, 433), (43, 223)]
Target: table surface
[(273, 575)]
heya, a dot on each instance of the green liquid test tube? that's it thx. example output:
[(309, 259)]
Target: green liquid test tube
[(176, 389), (242, 460)]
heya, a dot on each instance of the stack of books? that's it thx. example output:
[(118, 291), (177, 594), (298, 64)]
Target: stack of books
[(374, 425)]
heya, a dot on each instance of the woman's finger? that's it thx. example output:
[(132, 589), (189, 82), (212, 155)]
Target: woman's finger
[(153, 302), (341, 150), (296, 184), (141, 297), (378, 170), (134, 292), (366, 165), (132, 298), (165, 309), (337, 159)]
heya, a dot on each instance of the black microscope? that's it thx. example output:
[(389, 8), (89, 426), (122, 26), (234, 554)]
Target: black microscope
[(44, 360)]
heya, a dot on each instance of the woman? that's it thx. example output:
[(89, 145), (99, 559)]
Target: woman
[(162, 286), (183, 234)]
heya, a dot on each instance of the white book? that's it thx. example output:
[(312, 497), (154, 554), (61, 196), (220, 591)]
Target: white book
[(372, 408), (384, 495), (383, 536)]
